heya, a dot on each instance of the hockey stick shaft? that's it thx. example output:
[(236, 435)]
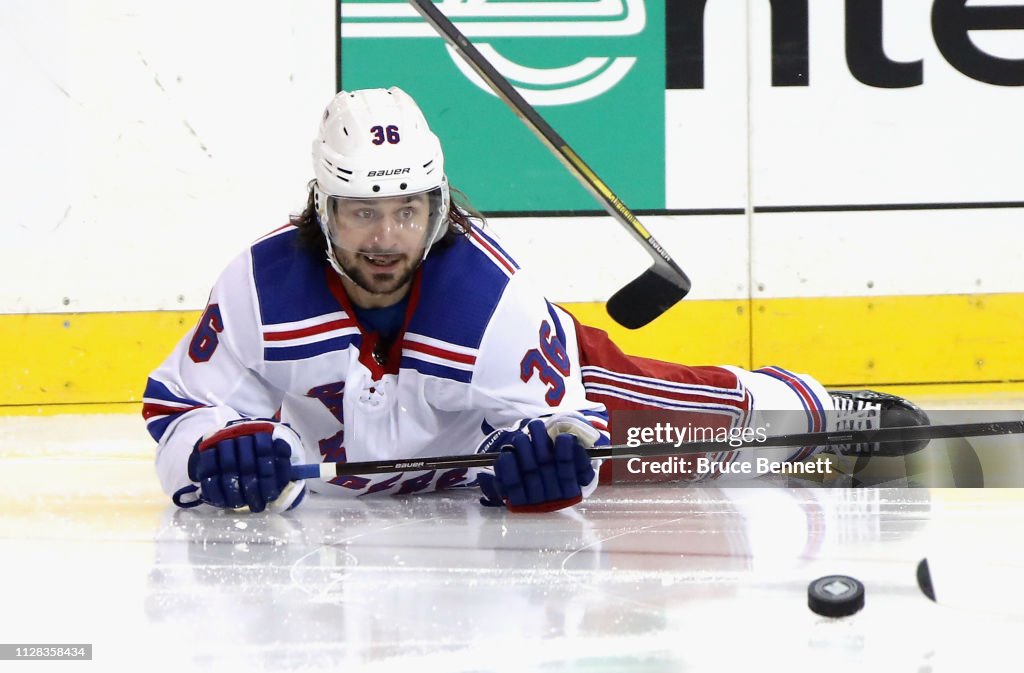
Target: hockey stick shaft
[(674, 283), (625, 451), (538, 125)]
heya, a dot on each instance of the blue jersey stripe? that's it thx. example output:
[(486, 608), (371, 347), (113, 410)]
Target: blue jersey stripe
[(290, 282), (158, 391), (559, 331), (657, 384), (158, 428), (439, 371), (459, 292), (306, 351), (662, 403), (497, 246)]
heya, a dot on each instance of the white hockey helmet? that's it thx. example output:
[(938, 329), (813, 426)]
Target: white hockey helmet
[(376, 144)]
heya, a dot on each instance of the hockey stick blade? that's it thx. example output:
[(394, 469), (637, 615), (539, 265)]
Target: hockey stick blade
[(647, 296), (966, 584), (660, 286), (625, 451)]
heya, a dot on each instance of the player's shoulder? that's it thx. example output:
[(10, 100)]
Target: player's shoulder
[(289, 280), (278, 248), (461, 286)]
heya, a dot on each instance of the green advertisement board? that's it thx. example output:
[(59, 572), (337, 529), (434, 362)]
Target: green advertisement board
[(594, 69)]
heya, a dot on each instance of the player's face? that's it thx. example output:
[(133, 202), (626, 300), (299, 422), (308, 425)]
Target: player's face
[(379, 243)]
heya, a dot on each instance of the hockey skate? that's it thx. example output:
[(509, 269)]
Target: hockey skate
[(868, 410)]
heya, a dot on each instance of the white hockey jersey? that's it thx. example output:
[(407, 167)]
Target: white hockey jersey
[(481, 349)]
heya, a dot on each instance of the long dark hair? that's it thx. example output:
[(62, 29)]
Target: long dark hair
[(311, 236)]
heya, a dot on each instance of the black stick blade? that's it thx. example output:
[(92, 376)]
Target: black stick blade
[(647, 296), (924, 579)]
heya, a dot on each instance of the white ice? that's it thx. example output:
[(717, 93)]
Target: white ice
[(651, 579)]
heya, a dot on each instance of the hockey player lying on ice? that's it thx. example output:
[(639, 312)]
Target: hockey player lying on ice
[(384, 322)]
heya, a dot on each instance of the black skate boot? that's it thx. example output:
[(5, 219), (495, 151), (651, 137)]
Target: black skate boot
[(868, 410)]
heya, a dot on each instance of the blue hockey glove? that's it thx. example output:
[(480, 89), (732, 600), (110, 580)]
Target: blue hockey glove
[(245, 464), (535, 473)]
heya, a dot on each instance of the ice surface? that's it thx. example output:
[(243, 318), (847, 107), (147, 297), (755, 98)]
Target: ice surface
[(651, 579)]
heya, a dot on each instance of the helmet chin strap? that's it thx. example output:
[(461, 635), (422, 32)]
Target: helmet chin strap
[(320, 203), (332, 259), (335, 264)]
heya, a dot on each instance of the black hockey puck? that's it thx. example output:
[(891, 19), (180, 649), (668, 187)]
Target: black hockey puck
[(835, 596)]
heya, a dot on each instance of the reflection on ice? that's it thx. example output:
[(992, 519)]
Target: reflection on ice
[(439, 576)]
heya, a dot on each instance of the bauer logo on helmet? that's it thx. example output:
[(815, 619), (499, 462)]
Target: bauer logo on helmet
[(389, 171)]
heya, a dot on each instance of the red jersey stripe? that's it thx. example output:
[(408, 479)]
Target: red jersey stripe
[(589, 378), (341, 323), (493, 253), (151, 410), (439, 352)]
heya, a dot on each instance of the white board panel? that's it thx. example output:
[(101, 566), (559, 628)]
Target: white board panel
[(153, 141), (887, 253)]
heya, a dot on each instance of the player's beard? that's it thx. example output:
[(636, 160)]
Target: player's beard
[(364, 274)]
